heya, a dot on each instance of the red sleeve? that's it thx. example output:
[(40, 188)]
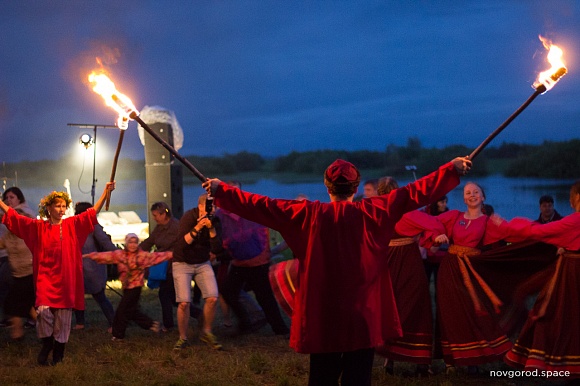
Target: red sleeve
[(272, 213), (414, 195), (415, 222), (448, 220), (562, 233), (22, 226)]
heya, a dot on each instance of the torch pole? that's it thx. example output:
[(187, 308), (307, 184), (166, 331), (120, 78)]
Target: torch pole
[(114, 168), (539, 90), (171, 149)]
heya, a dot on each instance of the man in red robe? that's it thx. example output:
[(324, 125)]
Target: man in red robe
[(344, 305)]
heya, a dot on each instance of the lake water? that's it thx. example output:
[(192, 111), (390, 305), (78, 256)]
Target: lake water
[(510, 197)]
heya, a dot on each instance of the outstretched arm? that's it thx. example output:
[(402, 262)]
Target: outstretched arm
[(109, 187), (211, 185), (3, 206)]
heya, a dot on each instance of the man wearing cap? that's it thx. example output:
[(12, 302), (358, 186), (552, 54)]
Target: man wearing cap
[(344, 305)]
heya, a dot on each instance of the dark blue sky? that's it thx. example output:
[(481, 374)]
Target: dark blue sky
[(273, 76)]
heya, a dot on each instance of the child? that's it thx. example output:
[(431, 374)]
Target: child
[(56, 245), (131, 264)]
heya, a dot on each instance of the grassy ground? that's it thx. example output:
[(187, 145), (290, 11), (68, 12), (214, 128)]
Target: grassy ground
[(146, 358)]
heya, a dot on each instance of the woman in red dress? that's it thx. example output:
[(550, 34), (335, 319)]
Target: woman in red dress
[(56, 245), (411, 288), (550, 339), (467, 308)]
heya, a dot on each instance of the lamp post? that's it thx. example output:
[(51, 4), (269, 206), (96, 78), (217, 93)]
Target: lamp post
[(87, 141), (412, 168)]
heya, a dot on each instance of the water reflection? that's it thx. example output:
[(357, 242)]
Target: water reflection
[(510, 197)]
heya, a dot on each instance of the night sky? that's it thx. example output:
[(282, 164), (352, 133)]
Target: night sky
[(272, 76)]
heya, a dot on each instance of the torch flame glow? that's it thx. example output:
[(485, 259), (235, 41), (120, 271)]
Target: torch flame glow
[(121, 103), (550, 77)]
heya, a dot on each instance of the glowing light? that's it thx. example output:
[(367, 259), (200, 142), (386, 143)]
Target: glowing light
[(121, 103), (558, 69)]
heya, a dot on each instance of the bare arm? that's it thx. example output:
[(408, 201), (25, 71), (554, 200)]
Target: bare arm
[(109, 187)]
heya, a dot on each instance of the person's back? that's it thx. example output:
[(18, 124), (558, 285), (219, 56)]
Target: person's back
[(344, 305)]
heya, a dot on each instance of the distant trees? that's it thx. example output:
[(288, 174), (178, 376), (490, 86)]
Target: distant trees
[(548, 160), (228, 163), (315, 162)]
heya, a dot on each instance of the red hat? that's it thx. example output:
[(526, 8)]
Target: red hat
[(342, 172)]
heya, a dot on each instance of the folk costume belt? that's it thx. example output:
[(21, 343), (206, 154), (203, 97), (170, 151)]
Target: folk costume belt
[(467, 272), (552, 284), (401, 241)]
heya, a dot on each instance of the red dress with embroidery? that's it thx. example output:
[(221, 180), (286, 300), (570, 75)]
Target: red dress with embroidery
[(57, 260)]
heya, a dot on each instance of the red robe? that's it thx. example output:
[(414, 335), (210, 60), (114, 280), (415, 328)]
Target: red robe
[(550, 339), (344, 299), (57, 260)]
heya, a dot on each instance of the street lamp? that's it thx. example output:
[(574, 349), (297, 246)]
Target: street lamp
[(412, 168), (86, 140)]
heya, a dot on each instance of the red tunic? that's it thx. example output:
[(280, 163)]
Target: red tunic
[(344, 300), (57, 260), (550, 339)]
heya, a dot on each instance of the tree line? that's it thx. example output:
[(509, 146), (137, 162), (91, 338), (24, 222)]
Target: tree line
[(547, 160)]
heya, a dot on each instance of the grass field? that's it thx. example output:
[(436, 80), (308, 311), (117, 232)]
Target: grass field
[(146, 358)]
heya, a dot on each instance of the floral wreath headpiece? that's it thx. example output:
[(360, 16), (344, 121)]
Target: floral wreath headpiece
[(49, 199)]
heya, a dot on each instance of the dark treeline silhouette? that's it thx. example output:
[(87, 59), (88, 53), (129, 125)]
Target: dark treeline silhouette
[(547, 160)]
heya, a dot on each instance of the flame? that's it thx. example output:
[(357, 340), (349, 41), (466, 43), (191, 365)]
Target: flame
[(121, 103), (122, 122), (550, 77)]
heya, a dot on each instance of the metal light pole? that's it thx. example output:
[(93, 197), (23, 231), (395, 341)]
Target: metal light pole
[(94, 127)]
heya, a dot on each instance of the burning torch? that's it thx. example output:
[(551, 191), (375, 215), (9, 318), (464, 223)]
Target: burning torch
[(127, 111), (546, 80)]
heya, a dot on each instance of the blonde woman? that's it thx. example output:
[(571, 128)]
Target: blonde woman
[(56, 245)]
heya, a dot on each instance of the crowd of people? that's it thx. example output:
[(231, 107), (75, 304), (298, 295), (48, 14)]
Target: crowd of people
[(364, 268)]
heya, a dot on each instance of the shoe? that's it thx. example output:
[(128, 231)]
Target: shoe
[(47, 345), (79, 327), (423, 371), (57, 353), (473, 371), (155, 327), (252, 327), (118, 340), (282, 331), (450, 370), (389, 367), (211, 340), (181, 344)]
